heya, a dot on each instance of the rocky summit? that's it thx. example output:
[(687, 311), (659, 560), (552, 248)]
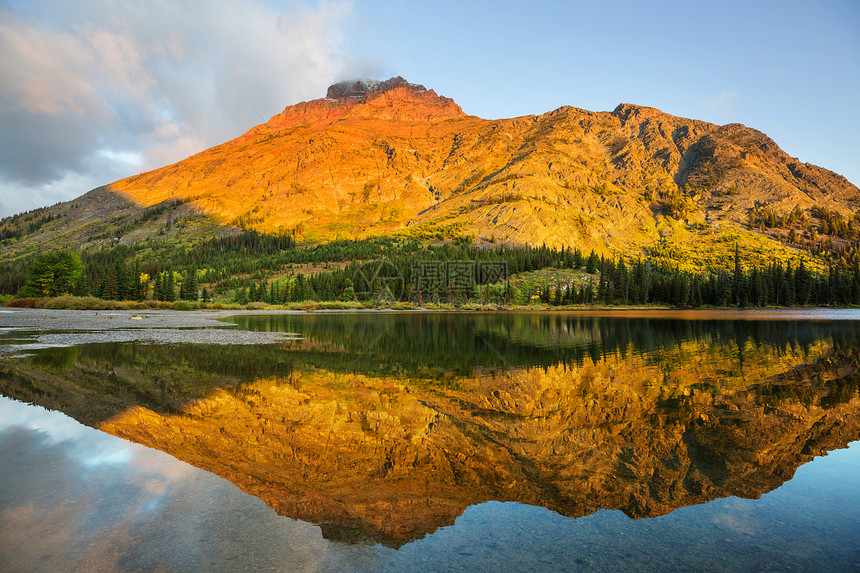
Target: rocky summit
[(360, 88), (390, 157)]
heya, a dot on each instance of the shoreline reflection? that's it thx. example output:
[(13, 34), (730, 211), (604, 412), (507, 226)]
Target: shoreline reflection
[(384, 428)]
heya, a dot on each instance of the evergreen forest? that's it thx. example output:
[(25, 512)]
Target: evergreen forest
[(250, 267)]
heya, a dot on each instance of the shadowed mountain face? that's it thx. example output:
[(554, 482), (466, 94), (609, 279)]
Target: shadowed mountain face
[(392, 157), (104, 218), (384, 428)]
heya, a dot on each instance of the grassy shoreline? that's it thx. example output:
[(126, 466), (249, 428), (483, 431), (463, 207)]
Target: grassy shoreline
[(92, 303)]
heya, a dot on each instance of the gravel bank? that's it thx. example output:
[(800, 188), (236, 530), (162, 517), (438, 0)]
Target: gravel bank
[(29, 329)]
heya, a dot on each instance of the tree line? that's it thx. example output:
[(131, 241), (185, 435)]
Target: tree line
[(251, 267)]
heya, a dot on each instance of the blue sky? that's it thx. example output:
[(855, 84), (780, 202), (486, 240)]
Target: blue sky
[(790, 69), (95, 90)]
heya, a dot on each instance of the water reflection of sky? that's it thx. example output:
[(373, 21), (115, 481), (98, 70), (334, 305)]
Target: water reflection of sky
[(73, 498), (84, 445)]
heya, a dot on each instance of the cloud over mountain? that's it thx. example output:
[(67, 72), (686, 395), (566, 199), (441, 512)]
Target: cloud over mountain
[(92, 91)]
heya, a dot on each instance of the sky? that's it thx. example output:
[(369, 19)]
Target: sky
[(92, 91)]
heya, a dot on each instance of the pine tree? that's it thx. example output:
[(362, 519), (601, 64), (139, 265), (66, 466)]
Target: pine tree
[(591, 264), (136, 283), (193, 286), (622, 287), (786, 289), (53, 274), (696, 295), (738, 281), (676, 297), (756, 287), (558, 295), (803, 282), (169, 287), (82, 288), (855, 284), (299, 289), (107, 289), (577, 258), (157, 288), (122, 279), (723, 290)]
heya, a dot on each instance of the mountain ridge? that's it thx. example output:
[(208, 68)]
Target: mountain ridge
[(394, 158)]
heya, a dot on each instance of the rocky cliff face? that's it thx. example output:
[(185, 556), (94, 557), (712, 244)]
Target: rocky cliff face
[(377, 158), (362, 87)]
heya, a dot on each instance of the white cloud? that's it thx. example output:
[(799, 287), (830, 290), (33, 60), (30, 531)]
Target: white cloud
[(722, 105), (17, 196), (130, 158), (45, 72), (94, 90)]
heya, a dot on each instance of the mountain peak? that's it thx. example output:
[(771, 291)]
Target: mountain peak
[(392, 99), (361, 87), (626, 111)]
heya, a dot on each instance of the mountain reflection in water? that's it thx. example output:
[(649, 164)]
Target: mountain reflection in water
[(384, 427)]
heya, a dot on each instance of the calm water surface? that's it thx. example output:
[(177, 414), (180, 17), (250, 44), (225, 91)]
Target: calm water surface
[(440, 442)]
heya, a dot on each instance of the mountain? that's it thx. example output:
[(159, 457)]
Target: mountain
[(394, 158)]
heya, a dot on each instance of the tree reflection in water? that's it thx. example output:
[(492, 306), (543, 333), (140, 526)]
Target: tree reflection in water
[(384, 427)]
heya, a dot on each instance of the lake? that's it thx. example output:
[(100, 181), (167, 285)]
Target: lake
[(423, 441)]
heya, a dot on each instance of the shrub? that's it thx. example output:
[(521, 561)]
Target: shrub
[(222, 306), (72, 302), (340, 305), (24, 303)]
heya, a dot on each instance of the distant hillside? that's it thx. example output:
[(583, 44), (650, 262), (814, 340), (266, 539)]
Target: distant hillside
[(394, 158), (101, 219)]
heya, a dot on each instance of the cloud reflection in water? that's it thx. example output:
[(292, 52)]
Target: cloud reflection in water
[(74, 498)]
